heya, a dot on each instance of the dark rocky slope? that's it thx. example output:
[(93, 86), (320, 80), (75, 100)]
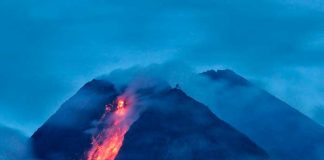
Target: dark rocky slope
[(176, 127), (65, 134), (281, 130)]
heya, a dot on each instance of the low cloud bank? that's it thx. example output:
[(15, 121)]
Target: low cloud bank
[(14, 145)]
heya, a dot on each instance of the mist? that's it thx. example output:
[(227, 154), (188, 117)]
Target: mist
[(51, 48), (14, 145), (177, 72)]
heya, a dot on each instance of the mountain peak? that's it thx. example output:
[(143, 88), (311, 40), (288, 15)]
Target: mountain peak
[(98, 85), (226, 75)]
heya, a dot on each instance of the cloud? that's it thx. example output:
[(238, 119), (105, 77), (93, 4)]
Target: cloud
[(301, 87), (13, 145), (49, 49)]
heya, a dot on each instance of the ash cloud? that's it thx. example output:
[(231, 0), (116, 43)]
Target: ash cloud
[(175, 73), (301, 88)]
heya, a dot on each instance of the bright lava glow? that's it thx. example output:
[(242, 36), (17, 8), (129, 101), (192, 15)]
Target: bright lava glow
[(120, 103), (106, 145)]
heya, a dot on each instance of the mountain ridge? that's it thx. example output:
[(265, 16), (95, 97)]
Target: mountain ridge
[(256, 108)]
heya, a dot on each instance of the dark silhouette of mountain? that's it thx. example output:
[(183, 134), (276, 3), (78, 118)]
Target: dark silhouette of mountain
[(281, 130), (177, 127), (173, 126), (65, 134)]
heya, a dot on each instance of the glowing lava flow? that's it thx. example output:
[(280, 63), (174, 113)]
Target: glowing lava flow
[(106, 144)]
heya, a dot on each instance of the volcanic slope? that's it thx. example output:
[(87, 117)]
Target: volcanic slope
[(175, 127), (67, 133), (277, 127)]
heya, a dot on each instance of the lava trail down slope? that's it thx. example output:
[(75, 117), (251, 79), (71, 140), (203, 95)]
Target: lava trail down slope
[(116, 121)]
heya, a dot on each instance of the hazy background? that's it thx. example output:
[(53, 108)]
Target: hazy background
[(49, 49)]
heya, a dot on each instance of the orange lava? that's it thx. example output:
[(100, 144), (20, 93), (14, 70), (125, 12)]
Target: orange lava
[(120, 103), (106, 145)]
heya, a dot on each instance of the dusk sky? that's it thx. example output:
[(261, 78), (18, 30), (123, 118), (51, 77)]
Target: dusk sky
[(49, 49)]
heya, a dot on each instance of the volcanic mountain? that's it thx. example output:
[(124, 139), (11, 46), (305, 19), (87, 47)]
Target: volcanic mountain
[(102, 122), (278, 128)]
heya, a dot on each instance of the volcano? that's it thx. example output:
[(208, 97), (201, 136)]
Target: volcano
[(277, 127), (157, 124)]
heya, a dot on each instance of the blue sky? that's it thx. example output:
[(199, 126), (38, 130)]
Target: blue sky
[(48, 49)]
